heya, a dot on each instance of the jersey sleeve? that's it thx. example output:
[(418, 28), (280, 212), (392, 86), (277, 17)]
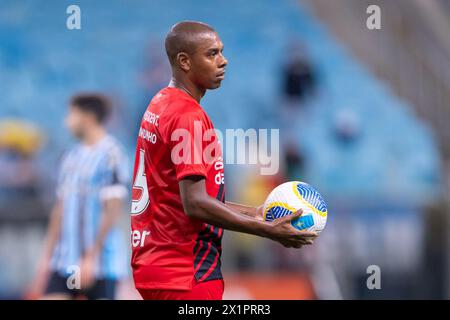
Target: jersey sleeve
[(115, 176), (184, 138)]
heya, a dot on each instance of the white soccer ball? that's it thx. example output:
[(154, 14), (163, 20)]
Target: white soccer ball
[(291, 196)]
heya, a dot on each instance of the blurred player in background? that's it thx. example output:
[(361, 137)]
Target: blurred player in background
[(82, 238), (178, 208)]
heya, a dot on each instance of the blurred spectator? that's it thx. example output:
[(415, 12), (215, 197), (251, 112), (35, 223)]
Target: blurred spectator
[(299, 78), (298, 86), (19, 143), (294, 160), (347, 126)]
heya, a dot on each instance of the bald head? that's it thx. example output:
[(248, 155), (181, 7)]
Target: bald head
[(185, 36), (195, 52)]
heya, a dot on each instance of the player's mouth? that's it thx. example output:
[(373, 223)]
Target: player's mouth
[(221, 75)]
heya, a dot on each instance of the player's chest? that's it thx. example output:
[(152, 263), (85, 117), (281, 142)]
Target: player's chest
[(83, 171)]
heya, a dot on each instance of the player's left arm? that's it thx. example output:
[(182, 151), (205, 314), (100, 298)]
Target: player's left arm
[(112, 210), (254, 212), (113, 194)]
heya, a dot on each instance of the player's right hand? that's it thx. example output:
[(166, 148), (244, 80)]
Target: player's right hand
[(282, 231)]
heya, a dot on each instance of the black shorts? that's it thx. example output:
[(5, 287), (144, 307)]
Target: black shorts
[(101, 289)]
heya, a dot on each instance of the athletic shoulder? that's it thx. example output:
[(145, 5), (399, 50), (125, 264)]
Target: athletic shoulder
[(115, 160), (179, 109), (181, 104), (114, 149)]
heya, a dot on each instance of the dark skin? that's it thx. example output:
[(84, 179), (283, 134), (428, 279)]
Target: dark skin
[(198, 64)]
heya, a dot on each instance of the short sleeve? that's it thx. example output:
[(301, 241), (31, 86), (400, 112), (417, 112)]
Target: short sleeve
[(184, 137), (115, 176)]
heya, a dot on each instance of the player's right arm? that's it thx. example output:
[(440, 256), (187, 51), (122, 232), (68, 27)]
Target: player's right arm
[(255, 212), (199, 205), (37, 287)]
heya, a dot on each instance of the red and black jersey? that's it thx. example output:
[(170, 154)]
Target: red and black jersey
[(169, 249)]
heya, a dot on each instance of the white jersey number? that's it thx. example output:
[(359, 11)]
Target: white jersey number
[(140, 198)]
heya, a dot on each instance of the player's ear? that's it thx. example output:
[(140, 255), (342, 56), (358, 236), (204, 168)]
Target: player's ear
[(183, 61)]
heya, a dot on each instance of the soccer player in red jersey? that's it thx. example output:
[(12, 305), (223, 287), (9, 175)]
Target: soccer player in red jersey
[(178, 204)]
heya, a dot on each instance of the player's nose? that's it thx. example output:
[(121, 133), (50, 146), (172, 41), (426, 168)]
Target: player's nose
[(224, 62)]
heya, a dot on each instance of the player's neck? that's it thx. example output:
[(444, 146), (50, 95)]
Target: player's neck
[(188, 87), (93, 136)]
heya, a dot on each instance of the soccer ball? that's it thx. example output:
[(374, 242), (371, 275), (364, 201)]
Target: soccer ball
[(291, 196)]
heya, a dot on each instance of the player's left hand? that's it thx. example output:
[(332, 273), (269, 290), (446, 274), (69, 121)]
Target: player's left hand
[(87, 269)]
